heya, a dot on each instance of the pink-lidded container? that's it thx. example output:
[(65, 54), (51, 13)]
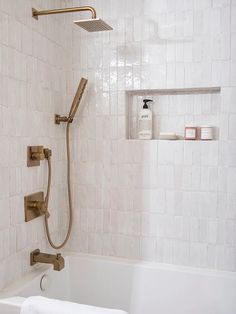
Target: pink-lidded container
[(207, 133), (190, 132)]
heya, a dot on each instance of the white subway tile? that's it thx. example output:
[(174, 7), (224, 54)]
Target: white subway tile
[(4, 23), (212, 231), (148, 248), (4, 213), (4, 244), (167, 251), (232, 180), (198, 254), (211, 256), (149, 224), (232, 127), (181, 253)]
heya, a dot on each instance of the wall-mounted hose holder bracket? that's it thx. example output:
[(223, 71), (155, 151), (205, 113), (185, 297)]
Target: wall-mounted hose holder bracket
[(35, 206), (58, 119), (35, 14)]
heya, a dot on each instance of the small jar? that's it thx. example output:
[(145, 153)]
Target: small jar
[(190, 132), (206, 133)]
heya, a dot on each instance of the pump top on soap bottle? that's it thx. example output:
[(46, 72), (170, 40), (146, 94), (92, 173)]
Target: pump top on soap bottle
[(145, 101), (145, 121)]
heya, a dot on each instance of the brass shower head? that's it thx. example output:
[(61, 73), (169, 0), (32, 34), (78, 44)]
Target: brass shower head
[(94, 25), (91, 25)]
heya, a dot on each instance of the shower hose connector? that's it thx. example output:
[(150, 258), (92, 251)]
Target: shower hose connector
[(59, 119)]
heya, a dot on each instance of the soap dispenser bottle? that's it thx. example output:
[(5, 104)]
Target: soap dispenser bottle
[(145, 122)]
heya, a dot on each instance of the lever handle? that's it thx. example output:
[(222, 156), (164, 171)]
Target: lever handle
[(37, 153), (37, 156), (39, 205)]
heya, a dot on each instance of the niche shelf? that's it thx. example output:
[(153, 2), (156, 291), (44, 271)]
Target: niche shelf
[(173, 108)]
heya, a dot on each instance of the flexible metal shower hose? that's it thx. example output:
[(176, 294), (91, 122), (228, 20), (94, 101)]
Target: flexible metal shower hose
[(69, 194)]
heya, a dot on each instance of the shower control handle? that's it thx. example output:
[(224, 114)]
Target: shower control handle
[(38, 205), (37, 153), (35, 206)]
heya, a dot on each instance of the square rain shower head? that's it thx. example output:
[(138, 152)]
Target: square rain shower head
[(94, 25)]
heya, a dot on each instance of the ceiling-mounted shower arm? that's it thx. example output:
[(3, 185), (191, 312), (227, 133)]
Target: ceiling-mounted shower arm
[(36, 13)]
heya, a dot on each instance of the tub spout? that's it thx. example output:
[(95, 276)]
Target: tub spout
[(57, 260)]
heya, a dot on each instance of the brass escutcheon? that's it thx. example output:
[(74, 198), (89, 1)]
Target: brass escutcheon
[(34, 155), (34, 206)]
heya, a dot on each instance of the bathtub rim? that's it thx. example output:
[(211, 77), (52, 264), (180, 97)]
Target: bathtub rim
[(156, 265), (13, 289)]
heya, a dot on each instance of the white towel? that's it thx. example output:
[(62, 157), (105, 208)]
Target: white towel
[(41, 305)]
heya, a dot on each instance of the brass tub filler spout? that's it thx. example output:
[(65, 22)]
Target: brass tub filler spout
[(57, 260)]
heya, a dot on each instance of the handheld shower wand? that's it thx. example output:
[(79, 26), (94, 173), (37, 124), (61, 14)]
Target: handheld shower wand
[(75, 104), (68, 120)]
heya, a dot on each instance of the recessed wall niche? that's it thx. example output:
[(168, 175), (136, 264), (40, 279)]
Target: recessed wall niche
[(172, 109)]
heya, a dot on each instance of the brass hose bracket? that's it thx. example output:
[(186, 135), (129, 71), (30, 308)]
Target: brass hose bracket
[(59, 119)]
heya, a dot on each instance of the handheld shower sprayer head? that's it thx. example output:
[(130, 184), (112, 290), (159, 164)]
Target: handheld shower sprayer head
[(75, 103), (77, 98)]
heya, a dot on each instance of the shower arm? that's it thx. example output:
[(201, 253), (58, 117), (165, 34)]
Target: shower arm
[(36, 13)]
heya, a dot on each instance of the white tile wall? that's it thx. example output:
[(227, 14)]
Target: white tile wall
[(159, 201), (35, 59)]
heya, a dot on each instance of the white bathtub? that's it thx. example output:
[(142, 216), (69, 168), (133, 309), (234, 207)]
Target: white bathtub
[(136, 287)]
